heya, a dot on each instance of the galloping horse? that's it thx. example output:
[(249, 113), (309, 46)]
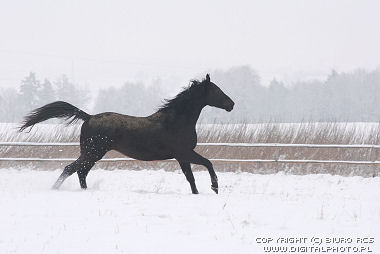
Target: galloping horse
[(168, 133)]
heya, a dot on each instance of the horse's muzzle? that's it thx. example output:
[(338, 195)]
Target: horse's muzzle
[(230, 106)]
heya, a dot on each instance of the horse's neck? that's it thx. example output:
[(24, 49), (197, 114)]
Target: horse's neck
[(193, 114), (186, 116)]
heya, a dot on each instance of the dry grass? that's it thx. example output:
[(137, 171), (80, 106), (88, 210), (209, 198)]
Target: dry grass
[(303, 133)]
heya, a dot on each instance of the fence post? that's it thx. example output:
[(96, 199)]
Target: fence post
[(276, 153), (374, 159)]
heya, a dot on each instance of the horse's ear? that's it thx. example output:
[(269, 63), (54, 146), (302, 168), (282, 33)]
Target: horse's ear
[(208, 77)]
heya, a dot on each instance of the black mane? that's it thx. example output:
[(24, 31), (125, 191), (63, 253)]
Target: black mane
[(181, 98)]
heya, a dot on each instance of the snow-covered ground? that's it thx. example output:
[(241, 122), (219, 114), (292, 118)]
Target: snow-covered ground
[(153, 212)]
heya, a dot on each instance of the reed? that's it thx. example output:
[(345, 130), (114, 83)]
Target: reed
[(287, 133)]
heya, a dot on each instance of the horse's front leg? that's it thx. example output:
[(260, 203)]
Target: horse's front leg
[(186, 169), (195, 158)]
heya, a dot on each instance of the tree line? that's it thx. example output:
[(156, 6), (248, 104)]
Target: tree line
[(32, 93), (347, 96)]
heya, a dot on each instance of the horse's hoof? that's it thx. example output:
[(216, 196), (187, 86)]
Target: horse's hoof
[(195, 192), (214, 189)]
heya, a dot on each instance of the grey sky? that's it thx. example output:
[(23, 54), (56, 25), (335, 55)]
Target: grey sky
[(105, 43)]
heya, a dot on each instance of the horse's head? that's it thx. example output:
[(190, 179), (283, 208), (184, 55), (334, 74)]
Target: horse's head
[(215, 97)]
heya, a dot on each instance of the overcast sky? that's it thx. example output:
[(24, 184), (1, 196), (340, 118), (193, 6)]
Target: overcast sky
[(106, 42)]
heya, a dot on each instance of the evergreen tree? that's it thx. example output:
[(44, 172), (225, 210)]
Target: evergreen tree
[(29, 97), (67, 91), (47, 93)]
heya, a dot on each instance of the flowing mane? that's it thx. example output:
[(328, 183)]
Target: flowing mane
[(181, 98)]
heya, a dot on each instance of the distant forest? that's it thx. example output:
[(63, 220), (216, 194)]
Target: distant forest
[(347, 96)]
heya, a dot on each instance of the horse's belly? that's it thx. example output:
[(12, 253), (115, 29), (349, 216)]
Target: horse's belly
[(147, 156), (144, 153), (151, 157)]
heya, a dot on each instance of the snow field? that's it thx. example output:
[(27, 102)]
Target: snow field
[(127, 211)]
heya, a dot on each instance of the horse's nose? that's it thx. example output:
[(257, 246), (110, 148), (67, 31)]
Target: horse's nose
[(230, 107)]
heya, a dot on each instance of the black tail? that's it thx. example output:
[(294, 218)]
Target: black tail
[(59, 109)]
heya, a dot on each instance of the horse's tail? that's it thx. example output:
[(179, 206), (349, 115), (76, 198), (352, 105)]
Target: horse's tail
[(58, 109)]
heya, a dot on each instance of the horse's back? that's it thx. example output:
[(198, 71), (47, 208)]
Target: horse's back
[(113, 124), (141, 138)]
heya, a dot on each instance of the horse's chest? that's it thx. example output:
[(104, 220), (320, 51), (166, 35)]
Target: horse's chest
[(187, 139)]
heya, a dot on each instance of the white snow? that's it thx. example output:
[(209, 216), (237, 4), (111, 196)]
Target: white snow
[(127, 211)]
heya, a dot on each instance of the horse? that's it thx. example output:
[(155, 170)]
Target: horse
[(169, 133)]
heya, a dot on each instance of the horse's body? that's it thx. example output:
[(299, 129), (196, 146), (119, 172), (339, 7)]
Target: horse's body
[(141, 138), (168, 133)]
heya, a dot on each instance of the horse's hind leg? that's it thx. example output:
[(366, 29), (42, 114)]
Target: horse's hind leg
[(85, 166), (186, 169), (92, 150), (82, 166), (68, 171)]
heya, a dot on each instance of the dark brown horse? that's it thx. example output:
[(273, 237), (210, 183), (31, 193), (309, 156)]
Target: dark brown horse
[(168, 133)]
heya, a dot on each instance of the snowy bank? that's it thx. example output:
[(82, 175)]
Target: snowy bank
[(153, 211)]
